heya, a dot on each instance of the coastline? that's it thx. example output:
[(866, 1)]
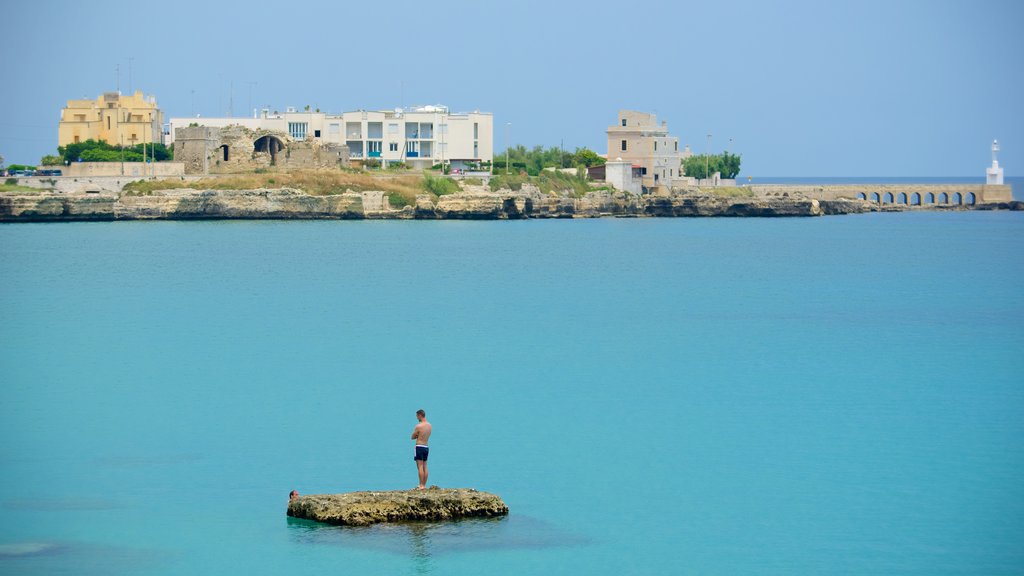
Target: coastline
[(292, 204)]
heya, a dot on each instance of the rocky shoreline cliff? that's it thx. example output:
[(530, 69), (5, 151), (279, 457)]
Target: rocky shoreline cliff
[(290, 204)]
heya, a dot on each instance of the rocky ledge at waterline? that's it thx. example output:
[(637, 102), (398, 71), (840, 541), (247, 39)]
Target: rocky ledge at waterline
[(186, 204), (364, 508)]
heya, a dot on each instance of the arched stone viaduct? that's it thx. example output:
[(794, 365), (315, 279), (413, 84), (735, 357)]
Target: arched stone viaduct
[(923, 195)]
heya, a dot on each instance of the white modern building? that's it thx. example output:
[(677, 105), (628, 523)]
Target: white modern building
[(422, 135)]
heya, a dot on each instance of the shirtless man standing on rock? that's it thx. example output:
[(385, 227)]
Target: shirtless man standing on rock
[(421, 433)]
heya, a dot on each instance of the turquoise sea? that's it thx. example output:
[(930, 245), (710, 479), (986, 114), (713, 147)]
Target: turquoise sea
[(837, 395)]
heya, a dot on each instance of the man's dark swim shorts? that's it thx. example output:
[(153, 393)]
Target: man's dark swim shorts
[(421, 453)]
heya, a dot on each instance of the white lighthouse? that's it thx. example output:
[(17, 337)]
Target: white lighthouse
[(994, 174)]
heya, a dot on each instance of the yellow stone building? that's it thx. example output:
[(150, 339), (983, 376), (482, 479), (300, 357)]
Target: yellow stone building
[(120, 120)]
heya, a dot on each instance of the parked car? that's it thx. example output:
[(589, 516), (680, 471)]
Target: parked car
[(49, 172)]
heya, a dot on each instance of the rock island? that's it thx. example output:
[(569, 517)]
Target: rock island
[(365, 508)]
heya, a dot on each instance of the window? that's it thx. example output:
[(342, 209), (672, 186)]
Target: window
[(623, 123), (77, 140), (677, 146), (476, 131), (623, 145), (297, 130), (108, 122), (643, 171), (316, 133), (655, 145), (476, 149), (393, 147), (373, 147), (79, 117)]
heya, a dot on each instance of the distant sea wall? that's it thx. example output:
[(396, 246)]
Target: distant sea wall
[(529, 202)]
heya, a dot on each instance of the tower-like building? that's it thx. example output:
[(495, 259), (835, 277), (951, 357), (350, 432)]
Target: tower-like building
[(118, 119), (994, 174), (638, 138)]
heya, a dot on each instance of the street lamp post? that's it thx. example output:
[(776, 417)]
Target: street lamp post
[(508, 149), (707, 159)]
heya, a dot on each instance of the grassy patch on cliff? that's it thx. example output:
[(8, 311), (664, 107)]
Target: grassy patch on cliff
[(729, 191), (8, 187), (315, 182), (547, 181)]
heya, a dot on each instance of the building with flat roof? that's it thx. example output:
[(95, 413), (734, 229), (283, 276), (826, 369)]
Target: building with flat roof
[(421, 136), (639, 139), (113, 117)]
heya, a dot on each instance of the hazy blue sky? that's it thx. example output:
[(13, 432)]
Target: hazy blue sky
[(803, 88)]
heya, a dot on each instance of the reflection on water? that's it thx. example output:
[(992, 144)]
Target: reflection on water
[(78, 558), (61, 504), (424, 541)]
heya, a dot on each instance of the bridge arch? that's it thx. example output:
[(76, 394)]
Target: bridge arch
[(915, 199), (268, 144), (958, 199), (862, 196), (943, 198), (970, 199), (902, 198), (930, 198), (876, 198), (887, 199)]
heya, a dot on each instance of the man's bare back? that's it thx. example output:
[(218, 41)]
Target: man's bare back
[(421, 433)]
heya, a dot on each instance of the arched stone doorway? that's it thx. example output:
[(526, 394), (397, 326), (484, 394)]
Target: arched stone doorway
[(943, 198), (970, 199), (268, 145), (958, 199), (915, 199), (902, 198), (887, 199), (225, 152), (875, 198), (930, 198)]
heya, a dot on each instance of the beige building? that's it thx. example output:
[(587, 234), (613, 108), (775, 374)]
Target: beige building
[(421, 136), (118, 119), (639, 139)]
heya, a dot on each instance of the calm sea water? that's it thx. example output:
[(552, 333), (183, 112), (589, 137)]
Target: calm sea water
[(839, 395)]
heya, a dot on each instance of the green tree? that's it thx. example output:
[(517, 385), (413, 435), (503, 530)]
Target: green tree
[(587, 158), (702, 166)]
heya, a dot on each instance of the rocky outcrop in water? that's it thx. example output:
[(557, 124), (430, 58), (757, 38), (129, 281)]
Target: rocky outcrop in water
[(364, 508)]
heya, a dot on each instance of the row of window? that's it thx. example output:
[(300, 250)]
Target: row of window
[(298, 130), (655, 144)]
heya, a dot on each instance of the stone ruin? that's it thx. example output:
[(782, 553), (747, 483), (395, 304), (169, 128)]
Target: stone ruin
[(207, 150)]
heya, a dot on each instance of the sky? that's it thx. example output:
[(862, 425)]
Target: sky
[(798, 88)]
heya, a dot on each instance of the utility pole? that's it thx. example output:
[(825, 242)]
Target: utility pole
[(251, 84), (707, 159)]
